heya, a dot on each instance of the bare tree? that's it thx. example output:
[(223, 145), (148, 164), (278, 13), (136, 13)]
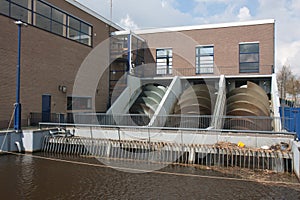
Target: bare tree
[(283, 76), (293, 87), (288, 83)]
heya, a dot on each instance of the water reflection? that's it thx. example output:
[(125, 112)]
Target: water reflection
[(26, 177)]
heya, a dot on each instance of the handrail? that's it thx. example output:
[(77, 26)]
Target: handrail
[(165, 128), (141, 72)]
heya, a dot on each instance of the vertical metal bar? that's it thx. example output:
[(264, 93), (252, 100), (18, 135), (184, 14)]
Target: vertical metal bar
[(232, 156), (249, 152), (32, 11), (17, 118), (263, 160), (253, 159)]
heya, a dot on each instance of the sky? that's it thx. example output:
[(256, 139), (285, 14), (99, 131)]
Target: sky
[(141, 14)]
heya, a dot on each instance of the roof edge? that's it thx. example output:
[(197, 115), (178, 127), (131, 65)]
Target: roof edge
[(94, 14), (205, 26)]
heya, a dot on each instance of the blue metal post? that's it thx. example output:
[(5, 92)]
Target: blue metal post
[(17, 117)]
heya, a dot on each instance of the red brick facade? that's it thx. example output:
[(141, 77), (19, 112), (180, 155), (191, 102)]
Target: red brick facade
[(225, 40)]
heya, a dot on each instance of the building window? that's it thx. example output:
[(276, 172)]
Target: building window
[(43, 16), (204, 59), (78, 30), (58, 21), (4, 7), (164, 61), (79, 103), (47, 17), (249, 57), (19, 10)]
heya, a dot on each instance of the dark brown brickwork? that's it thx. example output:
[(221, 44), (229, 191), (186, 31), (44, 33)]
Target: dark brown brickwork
[(47, 61)]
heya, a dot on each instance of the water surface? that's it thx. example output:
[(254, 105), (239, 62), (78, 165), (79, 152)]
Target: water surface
[(30, 177)]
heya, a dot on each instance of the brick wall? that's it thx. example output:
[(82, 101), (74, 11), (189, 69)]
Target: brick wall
[(47, 61), (226, 45)]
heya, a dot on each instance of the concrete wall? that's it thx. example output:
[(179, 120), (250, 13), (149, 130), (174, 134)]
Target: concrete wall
[(32, 140), (27, 140), (296, 154), (217, 123), (275, 103), (47, 61), (165, 107), (127, 97)]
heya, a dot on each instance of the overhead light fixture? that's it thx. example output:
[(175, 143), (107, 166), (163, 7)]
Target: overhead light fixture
[(62, 88)]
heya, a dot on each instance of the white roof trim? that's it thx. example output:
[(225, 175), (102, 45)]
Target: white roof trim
[(205, 45), (127, 32), (94, 14), (254, 42), (205, 26)]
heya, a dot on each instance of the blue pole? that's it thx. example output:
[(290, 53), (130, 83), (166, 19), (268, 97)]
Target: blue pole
[(17, 117)]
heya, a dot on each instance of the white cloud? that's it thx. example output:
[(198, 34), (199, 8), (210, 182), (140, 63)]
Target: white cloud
[(213, 1), (163, 3), (164, 13), (244, 14), (287, 35), (128, 23), (288, 54), (146, 14)]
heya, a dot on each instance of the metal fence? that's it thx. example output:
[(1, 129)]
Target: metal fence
[(141, 71), (181, 121), (5, 124), (288, 113), (36, 118), (167, 153)]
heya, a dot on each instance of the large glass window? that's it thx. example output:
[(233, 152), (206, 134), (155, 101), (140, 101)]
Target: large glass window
[(79, 31), (164, 61), (19, 10), (204, 59), (4, 7), (45, 16), (249, 57), (23, 3), (58, 22), (79, 103)]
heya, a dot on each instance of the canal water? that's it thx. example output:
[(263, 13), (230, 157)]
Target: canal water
[(46, 176)]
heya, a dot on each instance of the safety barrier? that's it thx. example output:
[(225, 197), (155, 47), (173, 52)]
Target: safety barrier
[(221, 154), (256, 123)]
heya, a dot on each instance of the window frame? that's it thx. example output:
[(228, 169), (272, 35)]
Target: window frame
[(52, 25), (89, 100), (198, 57), (254, 66), (166, 66)]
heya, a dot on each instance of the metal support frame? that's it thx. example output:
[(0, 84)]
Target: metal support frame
[(129, 43)]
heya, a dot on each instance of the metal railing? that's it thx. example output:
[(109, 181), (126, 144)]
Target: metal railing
[(216, 155), (35, 118), (141, 71), (181, 121), (176, 122)]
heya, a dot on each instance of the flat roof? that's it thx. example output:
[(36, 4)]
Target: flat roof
[(94, 14), (198, 27)]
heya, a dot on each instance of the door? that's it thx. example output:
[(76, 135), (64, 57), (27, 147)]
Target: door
[(46, 108)]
